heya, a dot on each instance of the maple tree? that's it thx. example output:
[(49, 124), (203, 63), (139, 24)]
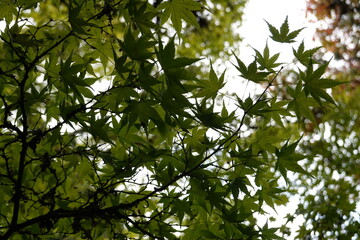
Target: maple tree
[(108, 133)]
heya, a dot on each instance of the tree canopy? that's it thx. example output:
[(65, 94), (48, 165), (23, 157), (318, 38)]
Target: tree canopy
[(108, 130)]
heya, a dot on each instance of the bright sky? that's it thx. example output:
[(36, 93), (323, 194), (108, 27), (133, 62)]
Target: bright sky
[(255, 29), (255, 34)]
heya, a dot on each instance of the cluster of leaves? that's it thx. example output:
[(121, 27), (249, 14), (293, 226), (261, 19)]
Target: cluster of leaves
[(328, 204), (107, 133)]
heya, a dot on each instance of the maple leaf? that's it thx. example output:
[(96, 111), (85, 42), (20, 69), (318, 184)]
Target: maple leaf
[(301, 104), (250, 72), (210, 88), (283, 36), (304, 57), (265, 60), (314, 84), (288, 159), (179, 10)]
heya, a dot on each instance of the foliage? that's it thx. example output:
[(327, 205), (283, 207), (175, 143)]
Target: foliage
[(218, 21), (107, 133), (338, 28), (208, 27), (329, 203)]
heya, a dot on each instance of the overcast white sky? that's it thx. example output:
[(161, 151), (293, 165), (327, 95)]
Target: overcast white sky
[(254, 28), (255, 33)]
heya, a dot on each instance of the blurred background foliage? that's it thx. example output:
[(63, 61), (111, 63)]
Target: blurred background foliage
[(329, 203)]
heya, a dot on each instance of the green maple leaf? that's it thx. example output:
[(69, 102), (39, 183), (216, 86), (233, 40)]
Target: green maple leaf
[(179, 10), (254, 108), (166, 56), (288, 159), (77, 23), (144, 19), (98, 128), (143, 111), (174, 67), (266, 140), (304, 57), (209, 88), (265, 60), (314, 84), (251, 72), (301, 104), (136, 48), (284, 35), (276, 110), (209, 118)]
